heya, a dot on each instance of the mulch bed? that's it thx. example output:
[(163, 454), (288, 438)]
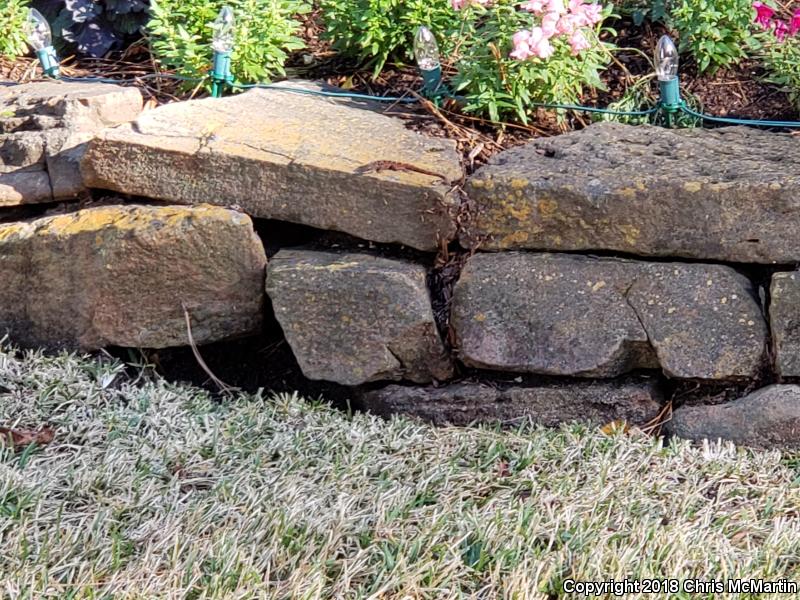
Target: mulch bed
[(739, 91)]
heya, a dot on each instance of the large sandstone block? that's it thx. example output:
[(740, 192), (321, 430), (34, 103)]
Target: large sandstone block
[(49, 104), (44, 128), (354, 318), (119, 275), (597, 402), (728, 194), (767, 418), (562, 314), (286, 156), (784, 320)]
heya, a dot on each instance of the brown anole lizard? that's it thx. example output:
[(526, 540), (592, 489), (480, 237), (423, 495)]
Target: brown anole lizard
[(391, 165)]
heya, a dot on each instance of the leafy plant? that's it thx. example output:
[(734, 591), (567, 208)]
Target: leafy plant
[(12, 16), (639, 10), (542, 51), (93, 27), (781, 59), (180, 35), (375, 30), (718, 33)]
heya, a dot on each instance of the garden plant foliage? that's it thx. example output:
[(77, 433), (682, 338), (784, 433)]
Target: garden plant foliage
[(513, 55), (12, 16), (93, 27), (266, 32), (375, 30), (506, 53), (717, 33)]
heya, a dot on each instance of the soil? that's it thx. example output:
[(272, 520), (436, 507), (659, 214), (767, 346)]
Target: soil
[(740, 91)]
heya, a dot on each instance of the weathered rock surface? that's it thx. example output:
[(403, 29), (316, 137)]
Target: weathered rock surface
[(769, 417), (634, 401), (561, 314), (286, 156), (43, 133), (119, 275), (730, 194), (354, 318), (784, 318)]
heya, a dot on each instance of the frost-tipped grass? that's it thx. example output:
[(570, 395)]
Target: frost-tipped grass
[(152, 490)]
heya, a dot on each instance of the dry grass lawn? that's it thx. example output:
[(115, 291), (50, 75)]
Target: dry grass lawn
[(152, 490)]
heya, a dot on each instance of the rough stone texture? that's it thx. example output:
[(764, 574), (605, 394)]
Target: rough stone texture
[(44, 128), (286, 156), (118, 275), (767, 418), (562, 314), (784, 317), (354, 318), (730, 194), (634, 401)]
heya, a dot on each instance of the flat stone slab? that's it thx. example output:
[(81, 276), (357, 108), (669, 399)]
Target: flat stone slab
[(729, 194), (44, 128), (784, 320), (767, 418), (355, 318), (120, 275), (287, 156), (633, 401), (561, 314)]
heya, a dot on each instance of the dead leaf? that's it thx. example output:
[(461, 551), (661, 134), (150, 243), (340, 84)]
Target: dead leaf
[(615, 427), (20, 438), (503, 469)]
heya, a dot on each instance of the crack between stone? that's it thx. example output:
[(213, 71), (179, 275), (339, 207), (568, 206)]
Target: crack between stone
[(627, 299)]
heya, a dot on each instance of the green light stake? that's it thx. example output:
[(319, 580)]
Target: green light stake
[(666, 60), (222, 43), (220, 73), (40, 38), (426, 52)]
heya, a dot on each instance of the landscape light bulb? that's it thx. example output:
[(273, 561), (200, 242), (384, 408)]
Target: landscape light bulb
[(37, 30), (426, 50), (666, 59), (223, 31)]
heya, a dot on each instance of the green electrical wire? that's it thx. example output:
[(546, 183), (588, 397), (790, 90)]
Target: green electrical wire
[(605, 111), (734, 121), (576, 107), (323, 93)]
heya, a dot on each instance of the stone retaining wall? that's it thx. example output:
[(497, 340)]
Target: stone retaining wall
[(583, 277)]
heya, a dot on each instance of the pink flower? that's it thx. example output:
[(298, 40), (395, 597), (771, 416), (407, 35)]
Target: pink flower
[(522, 47), (585, 15), (567, 24), (781, 29), (541, 47), (592, 14), (556, 6), (534, 6), (794, 24), (578, 42), (549, 23), (763, 14), (531, 43)]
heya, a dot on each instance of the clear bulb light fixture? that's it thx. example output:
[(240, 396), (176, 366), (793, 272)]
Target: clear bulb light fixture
[(37, 30), (222, 44), (426, 52), (666, 59), (40, 37), (223, 27)]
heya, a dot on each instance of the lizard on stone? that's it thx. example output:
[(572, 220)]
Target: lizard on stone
[(390, 165)]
